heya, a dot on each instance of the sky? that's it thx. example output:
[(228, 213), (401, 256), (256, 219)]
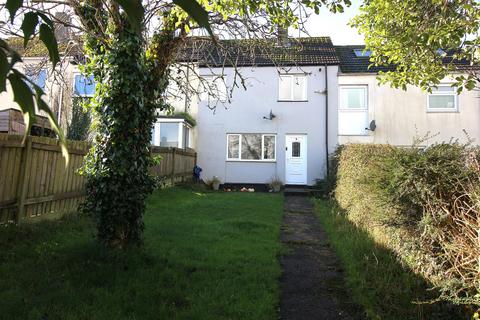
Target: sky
[(334, 25)]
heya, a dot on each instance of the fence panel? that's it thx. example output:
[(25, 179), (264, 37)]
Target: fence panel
[(35, 184)]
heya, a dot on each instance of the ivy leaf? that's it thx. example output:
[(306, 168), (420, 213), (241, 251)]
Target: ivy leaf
[(23, 96), (13, 6), (135, 12), (196, 12), (48, 38), (28, 26), (43, 106)]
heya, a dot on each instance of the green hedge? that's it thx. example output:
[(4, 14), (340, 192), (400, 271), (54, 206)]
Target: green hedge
[(423, 204)]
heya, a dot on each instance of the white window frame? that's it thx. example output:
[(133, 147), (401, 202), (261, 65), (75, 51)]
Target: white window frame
[(443, 110), (291, 76), (362, 53), (352, 86), (73, 86), (263, 148), (341, 108), (181, 138)]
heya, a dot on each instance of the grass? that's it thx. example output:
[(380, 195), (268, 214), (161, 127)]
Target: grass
[(206, 256), (375, 278)]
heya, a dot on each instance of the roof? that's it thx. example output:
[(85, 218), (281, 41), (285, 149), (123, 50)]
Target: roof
[(260, 52), (350, 63), (36, 48)]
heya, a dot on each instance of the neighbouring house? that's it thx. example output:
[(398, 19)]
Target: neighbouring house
[(400, 116)]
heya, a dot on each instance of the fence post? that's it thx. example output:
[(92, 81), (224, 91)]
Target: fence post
[(173, 165), (22, 187)]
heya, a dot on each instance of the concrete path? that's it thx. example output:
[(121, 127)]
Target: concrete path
[(312, 283)]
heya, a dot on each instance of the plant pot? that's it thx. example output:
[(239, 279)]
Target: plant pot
[(215, 185)]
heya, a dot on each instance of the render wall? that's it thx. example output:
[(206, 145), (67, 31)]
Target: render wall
[(244, 114), (402, 116)]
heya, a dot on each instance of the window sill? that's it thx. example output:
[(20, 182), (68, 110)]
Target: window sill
[(353, 135), (443, 111), (260, 161), (292, 100)]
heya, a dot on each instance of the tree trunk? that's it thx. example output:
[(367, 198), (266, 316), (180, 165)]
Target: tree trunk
[(118, 180)]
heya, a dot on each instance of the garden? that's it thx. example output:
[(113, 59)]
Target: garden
[(405, 223), (205, 255)]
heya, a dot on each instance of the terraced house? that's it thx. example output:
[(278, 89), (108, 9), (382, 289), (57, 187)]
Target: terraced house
[(277, 108)]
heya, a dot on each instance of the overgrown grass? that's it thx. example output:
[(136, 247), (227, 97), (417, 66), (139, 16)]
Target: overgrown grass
[(206, 256), (385, 288)]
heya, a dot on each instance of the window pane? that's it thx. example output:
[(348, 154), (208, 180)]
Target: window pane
[(84, 86), (252, 146), (233, 146), (38, 77), (285, 88), (353, 98), (269, 147), (169, 134), (296, 149), (441, 102), (299, 88)]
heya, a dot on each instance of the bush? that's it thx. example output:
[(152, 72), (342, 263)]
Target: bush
[(421, 203)]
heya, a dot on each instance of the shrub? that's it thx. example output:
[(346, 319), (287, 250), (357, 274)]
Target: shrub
[(421, 203)]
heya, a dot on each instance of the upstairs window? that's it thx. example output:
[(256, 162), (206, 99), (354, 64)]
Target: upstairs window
[(213, 89), (37, 76), (361, 53), (353, 110), (292, 87), (251, 146), (443, 99), (83, 86)]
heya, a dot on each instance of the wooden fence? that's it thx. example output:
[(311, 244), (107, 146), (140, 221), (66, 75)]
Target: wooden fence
[(35, 184)]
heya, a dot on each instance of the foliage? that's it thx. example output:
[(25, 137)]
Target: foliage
[(422, 204), (275, 183), (188, 117), (422, 38), (384, 287), (117, 168), (79, 124), (206, 255)]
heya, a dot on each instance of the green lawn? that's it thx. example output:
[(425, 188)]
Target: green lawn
[(206, 256), (377, 281)]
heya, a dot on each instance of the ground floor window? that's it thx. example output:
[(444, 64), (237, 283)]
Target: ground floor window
[(251, 146), (174, 134), (443, 98)]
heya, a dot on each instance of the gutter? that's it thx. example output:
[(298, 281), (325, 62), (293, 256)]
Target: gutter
[(326, 121)]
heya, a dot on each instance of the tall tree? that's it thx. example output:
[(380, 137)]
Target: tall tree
[(130, 47), (424, 39)]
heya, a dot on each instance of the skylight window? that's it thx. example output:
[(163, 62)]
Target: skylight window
[(360, 53)]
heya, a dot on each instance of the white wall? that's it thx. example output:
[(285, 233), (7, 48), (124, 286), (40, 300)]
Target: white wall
[(245, 115), (401, 116)]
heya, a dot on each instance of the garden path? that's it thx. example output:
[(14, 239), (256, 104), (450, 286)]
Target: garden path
[(312, 283)]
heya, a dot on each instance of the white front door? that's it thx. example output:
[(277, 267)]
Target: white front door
[(296, 159)]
